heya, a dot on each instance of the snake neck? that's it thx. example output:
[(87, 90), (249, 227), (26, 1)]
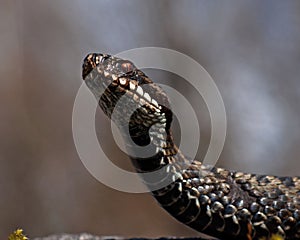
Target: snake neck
[(221, 203), (153, 148)]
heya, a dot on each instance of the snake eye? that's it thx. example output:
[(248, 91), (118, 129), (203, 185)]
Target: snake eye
[(100, 58), (127, 67)]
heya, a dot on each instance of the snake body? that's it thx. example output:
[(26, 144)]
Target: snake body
[(215, 201)]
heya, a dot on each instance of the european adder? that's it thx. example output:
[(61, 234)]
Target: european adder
[(218, 202)]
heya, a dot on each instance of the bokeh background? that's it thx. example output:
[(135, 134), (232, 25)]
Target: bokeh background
[(250, 48)]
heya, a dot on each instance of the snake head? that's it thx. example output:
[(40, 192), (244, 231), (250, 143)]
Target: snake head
[(108, 66), (126, 94)]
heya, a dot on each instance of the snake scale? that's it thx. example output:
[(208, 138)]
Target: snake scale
[(215, 201)]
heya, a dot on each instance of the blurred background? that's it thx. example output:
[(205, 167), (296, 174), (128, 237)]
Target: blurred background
[(250, 48)]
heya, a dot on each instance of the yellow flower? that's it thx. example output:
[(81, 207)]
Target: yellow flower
[(276, 237), (17, 235), (273, 237)]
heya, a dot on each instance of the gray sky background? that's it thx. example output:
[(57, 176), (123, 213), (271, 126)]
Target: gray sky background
[(250, 48)]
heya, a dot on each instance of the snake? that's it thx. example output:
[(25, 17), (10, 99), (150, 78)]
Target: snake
[(221, 203)]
